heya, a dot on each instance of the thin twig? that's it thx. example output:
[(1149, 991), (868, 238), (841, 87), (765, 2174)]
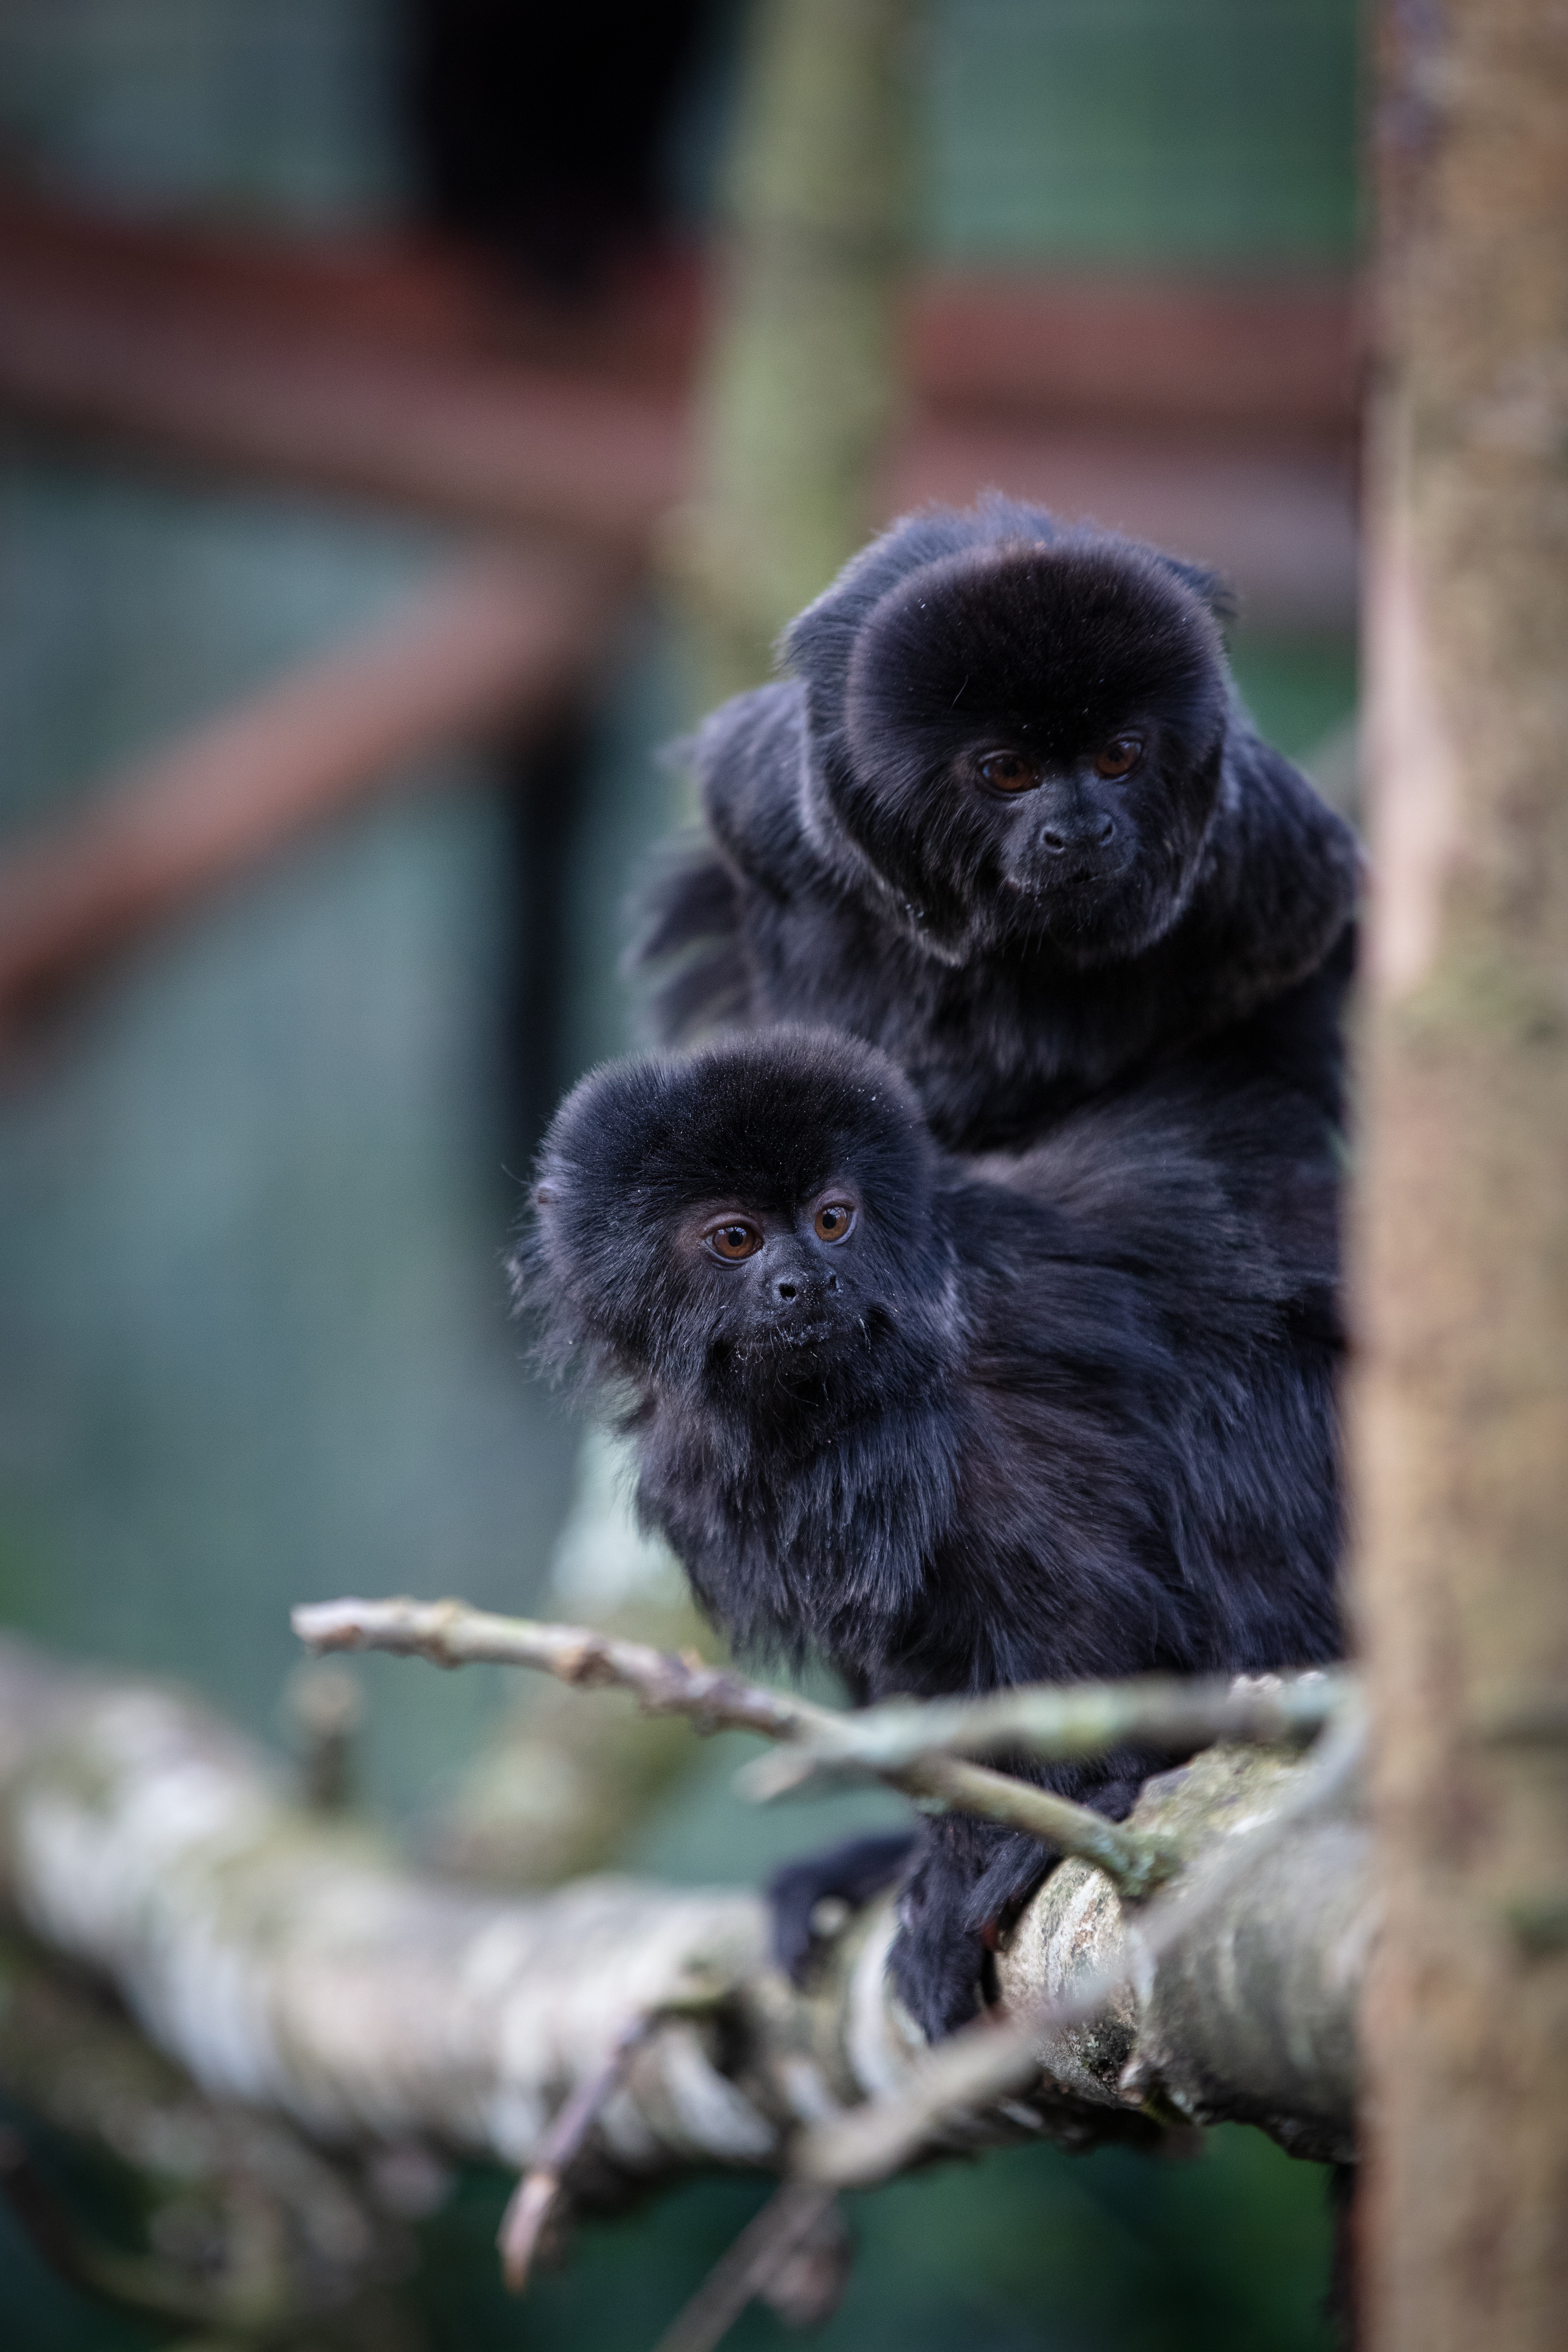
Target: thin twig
[(451, 1633), (325, 1708), (534, 2200), (987, 2060), (1135, 1861), (743, 2272), (1063, 1723)]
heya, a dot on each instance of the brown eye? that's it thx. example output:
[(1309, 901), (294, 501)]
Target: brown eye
[(833, 1221), (733, 1240), (1119, 756), (1008, 771)]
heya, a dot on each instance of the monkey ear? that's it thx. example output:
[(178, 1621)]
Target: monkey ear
[(1211, 588), (818, 642)]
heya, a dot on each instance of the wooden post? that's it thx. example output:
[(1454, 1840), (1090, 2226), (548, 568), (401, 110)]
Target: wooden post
[(1460, 1432)]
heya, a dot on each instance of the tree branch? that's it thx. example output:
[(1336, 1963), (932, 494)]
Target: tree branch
[(287, 1961), (748, 2267), (538, 2194), (450, 1633), (986, 2060), (251, 2230), (1048, 1720)]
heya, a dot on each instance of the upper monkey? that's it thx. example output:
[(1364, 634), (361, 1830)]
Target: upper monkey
[(1009, 822)]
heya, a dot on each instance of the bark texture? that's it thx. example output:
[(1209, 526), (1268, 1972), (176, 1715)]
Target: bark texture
[(1461, 1422), (289, 1963), (244, 2228)]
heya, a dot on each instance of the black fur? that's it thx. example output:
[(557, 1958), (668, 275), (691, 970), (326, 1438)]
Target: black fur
[(853, 1871), (1059, 1415), (1014, 953)]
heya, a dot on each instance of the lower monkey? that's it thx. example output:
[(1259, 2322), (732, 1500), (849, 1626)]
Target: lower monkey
[(953, 1424)]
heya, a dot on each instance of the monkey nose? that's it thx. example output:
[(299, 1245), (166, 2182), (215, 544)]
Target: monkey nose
[(1096, 833), (788, 1289)]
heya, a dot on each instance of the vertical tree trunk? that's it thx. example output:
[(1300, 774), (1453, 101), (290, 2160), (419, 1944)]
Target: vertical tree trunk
[(1461, 1432), (800, 382)]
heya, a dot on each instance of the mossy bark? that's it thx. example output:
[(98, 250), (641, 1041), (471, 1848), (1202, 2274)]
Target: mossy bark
[(1461, 1397), (800, 383)]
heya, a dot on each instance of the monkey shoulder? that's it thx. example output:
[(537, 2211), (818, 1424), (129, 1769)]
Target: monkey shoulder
[(695, 949), (1278, 886), (746, 763)]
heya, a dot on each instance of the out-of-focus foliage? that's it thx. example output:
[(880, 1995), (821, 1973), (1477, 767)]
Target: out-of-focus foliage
[(1030, 2252), (1143, 134)]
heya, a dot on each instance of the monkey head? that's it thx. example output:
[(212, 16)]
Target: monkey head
[(1025, 741), (752, 1223)]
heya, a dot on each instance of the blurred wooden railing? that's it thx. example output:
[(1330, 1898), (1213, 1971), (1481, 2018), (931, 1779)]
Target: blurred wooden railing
[(1218, 417)]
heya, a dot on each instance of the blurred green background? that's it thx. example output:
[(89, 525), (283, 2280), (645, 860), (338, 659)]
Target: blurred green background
[(257, 1189)]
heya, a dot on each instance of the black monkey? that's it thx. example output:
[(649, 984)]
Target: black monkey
[(1010, 821), (952, 1424)]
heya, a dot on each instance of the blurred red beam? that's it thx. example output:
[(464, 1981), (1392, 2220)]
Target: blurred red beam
[(501, 640), (1278, 355), (1271, 359), (407, 371), (395, 370), (110, 332)]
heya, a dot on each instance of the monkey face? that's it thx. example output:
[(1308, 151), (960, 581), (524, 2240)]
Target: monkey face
[(1031, 747), (752, 1222), (788, 1289)]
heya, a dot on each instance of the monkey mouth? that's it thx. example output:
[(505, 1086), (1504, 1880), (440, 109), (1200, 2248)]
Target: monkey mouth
[(801, 1335), (1047, 884), (1085, 917), (787, 1339)]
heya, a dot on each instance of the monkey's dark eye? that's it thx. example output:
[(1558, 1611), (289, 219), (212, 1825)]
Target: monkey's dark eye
[(1119, 756), (733, 1240), (833, 1221), (1008, 771)]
